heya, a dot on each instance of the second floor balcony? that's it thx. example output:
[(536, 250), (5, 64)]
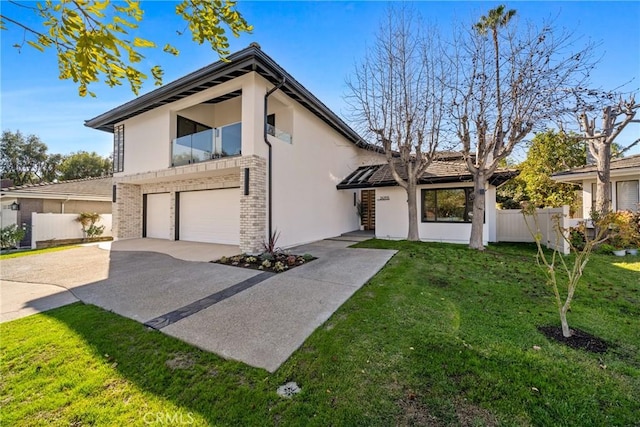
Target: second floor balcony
[(207, 145)]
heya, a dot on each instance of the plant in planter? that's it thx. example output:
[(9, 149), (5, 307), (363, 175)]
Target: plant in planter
[(10, 236), (623, 232)]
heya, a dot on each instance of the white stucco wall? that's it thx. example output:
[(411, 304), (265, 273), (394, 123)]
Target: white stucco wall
[(306, 204), (147, 145), (392, 218)]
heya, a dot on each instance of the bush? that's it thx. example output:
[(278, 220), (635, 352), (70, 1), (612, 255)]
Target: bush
[(10, 236), (88, 222)]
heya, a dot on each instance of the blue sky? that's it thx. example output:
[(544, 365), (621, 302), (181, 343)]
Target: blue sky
[(317, 42)]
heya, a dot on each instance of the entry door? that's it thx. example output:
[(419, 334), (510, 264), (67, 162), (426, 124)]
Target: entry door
[(368, 200)]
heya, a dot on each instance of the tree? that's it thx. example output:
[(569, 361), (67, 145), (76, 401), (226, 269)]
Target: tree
[(506, 85), (22, 159), (551, 152), (600, 140), (91, 37), (84, 165), (398, 97)]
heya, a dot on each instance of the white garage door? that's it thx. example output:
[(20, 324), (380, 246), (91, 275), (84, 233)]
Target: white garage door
[(211, 216), (158, 208)]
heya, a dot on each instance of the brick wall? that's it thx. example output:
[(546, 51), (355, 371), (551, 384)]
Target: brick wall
[(127, 211), (253, 207)]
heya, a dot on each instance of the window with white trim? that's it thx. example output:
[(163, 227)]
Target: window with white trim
[(627, 195), (447, 205)]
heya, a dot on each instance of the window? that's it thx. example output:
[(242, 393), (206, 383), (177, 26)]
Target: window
[(447, 205), (627, 195), (118, 148), (189, 127)]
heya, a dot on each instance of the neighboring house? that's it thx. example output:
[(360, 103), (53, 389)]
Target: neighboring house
[(625, 184), (237, 150), (74, 196)]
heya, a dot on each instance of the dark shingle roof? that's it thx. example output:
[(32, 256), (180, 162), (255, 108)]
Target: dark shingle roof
[(616, 164), (439, 171), (88, 187)]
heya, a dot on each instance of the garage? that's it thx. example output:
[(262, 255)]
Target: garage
[(157, 215), (211, 216)]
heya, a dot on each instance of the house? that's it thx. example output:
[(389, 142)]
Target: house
[(625, 184), (445, 200), (238, 150), (73, 196)]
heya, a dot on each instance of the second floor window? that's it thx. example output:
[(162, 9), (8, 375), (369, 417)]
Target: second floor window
[(118, 148)]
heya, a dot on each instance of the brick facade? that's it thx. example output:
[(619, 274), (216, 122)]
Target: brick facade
[(253, 207), (127, 211)]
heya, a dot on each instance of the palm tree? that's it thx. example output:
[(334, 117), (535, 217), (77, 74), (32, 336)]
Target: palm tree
[(496, 18)]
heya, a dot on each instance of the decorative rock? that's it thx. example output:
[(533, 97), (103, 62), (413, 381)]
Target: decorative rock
[(288, 390)]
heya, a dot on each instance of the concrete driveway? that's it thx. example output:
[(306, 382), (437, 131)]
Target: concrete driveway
[(255, 317)]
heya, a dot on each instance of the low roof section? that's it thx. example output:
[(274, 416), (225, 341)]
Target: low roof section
[(250, 59), (629, 165), (438, 172), (92, 189)]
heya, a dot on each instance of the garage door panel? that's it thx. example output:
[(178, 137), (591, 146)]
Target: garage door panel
[(211, 216), (158, 208)]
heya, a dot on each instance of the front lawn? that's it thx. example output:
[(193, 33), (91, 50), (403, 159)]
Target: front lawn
[(441, 336)]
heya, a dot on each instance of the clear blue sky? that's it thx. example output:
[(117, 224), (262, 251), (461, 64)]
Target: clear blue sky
[(317, 42)]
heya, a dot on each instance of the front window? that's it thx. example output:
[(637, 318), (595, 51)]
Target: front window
[(447, 205)]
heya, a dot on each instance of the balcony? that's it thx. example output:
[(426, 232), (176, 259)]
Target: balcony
[(207, 145), (280, 134)]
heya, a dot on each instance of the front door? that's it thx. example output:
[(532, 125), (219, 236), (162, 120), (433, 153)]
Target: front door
[(368, 200)]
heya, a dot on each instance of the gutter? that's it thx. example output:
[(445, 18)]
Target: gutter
[(266, 140)]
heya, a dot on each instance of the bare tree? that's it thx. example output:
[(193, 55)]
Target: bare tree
[(614, 119), (508, 83), (398, 99)]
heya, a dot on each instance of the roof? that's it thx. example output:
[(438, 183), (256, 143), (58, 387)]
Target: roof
[(438, 172), (620, 165), (250, 59), (99, 189)]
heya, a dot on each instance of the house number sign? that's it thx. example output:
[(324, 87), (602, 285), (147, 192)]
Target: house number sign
[(383, 198)]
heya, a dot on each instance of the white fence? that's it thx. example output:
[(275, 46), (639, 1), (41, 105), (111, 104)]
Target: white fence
[(511, 227), (50, 226)]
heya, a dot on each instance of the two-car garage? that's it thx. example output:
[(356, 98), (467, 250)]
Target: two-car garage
[(211, 216)]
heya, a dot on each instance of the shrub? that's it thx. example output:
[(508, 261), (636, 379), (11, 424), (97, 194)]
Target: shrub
[(88, 222), (10, 236)]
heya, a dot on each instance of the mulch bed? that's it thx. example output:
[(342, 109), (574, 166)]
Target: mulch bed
[(278, 262), (579, 339)]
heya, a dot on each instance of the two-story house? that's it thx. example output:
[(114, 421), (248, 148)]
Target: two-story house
[(239, 149)]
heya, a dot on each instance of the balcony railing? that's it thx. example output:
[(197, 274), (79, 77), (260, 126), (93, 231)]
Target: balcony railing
[(280, 134), (207, 145)]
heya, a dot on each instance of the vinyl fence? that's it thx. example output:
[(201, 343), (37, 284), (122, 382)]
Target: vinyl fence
[(50, 226), (511, 226)]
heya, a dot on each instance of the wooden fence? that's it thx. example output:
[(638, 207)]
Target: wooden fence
[(511, 226)]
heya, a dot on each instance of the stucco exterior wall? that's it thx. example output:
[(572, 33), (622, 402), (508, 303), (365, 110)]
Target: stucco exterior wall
[(75, 206), (306, 204), (392, 217)]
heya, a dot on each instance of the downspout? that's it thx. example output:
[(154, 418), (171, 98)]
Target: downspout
[(266, 140), (62, 205)]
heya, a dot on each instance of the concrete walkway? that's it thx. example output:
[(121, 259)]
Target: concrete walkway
[(247, 315)]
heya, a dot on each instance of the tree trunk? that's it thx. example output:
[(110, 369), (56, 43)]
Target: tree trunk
[(566, 332), (603, 179), (477, 221), (412, 204)]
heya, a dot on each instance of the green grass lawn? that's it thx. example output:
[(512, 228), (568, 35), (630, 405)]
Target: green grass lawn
[(441, 336), (26, 252)]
